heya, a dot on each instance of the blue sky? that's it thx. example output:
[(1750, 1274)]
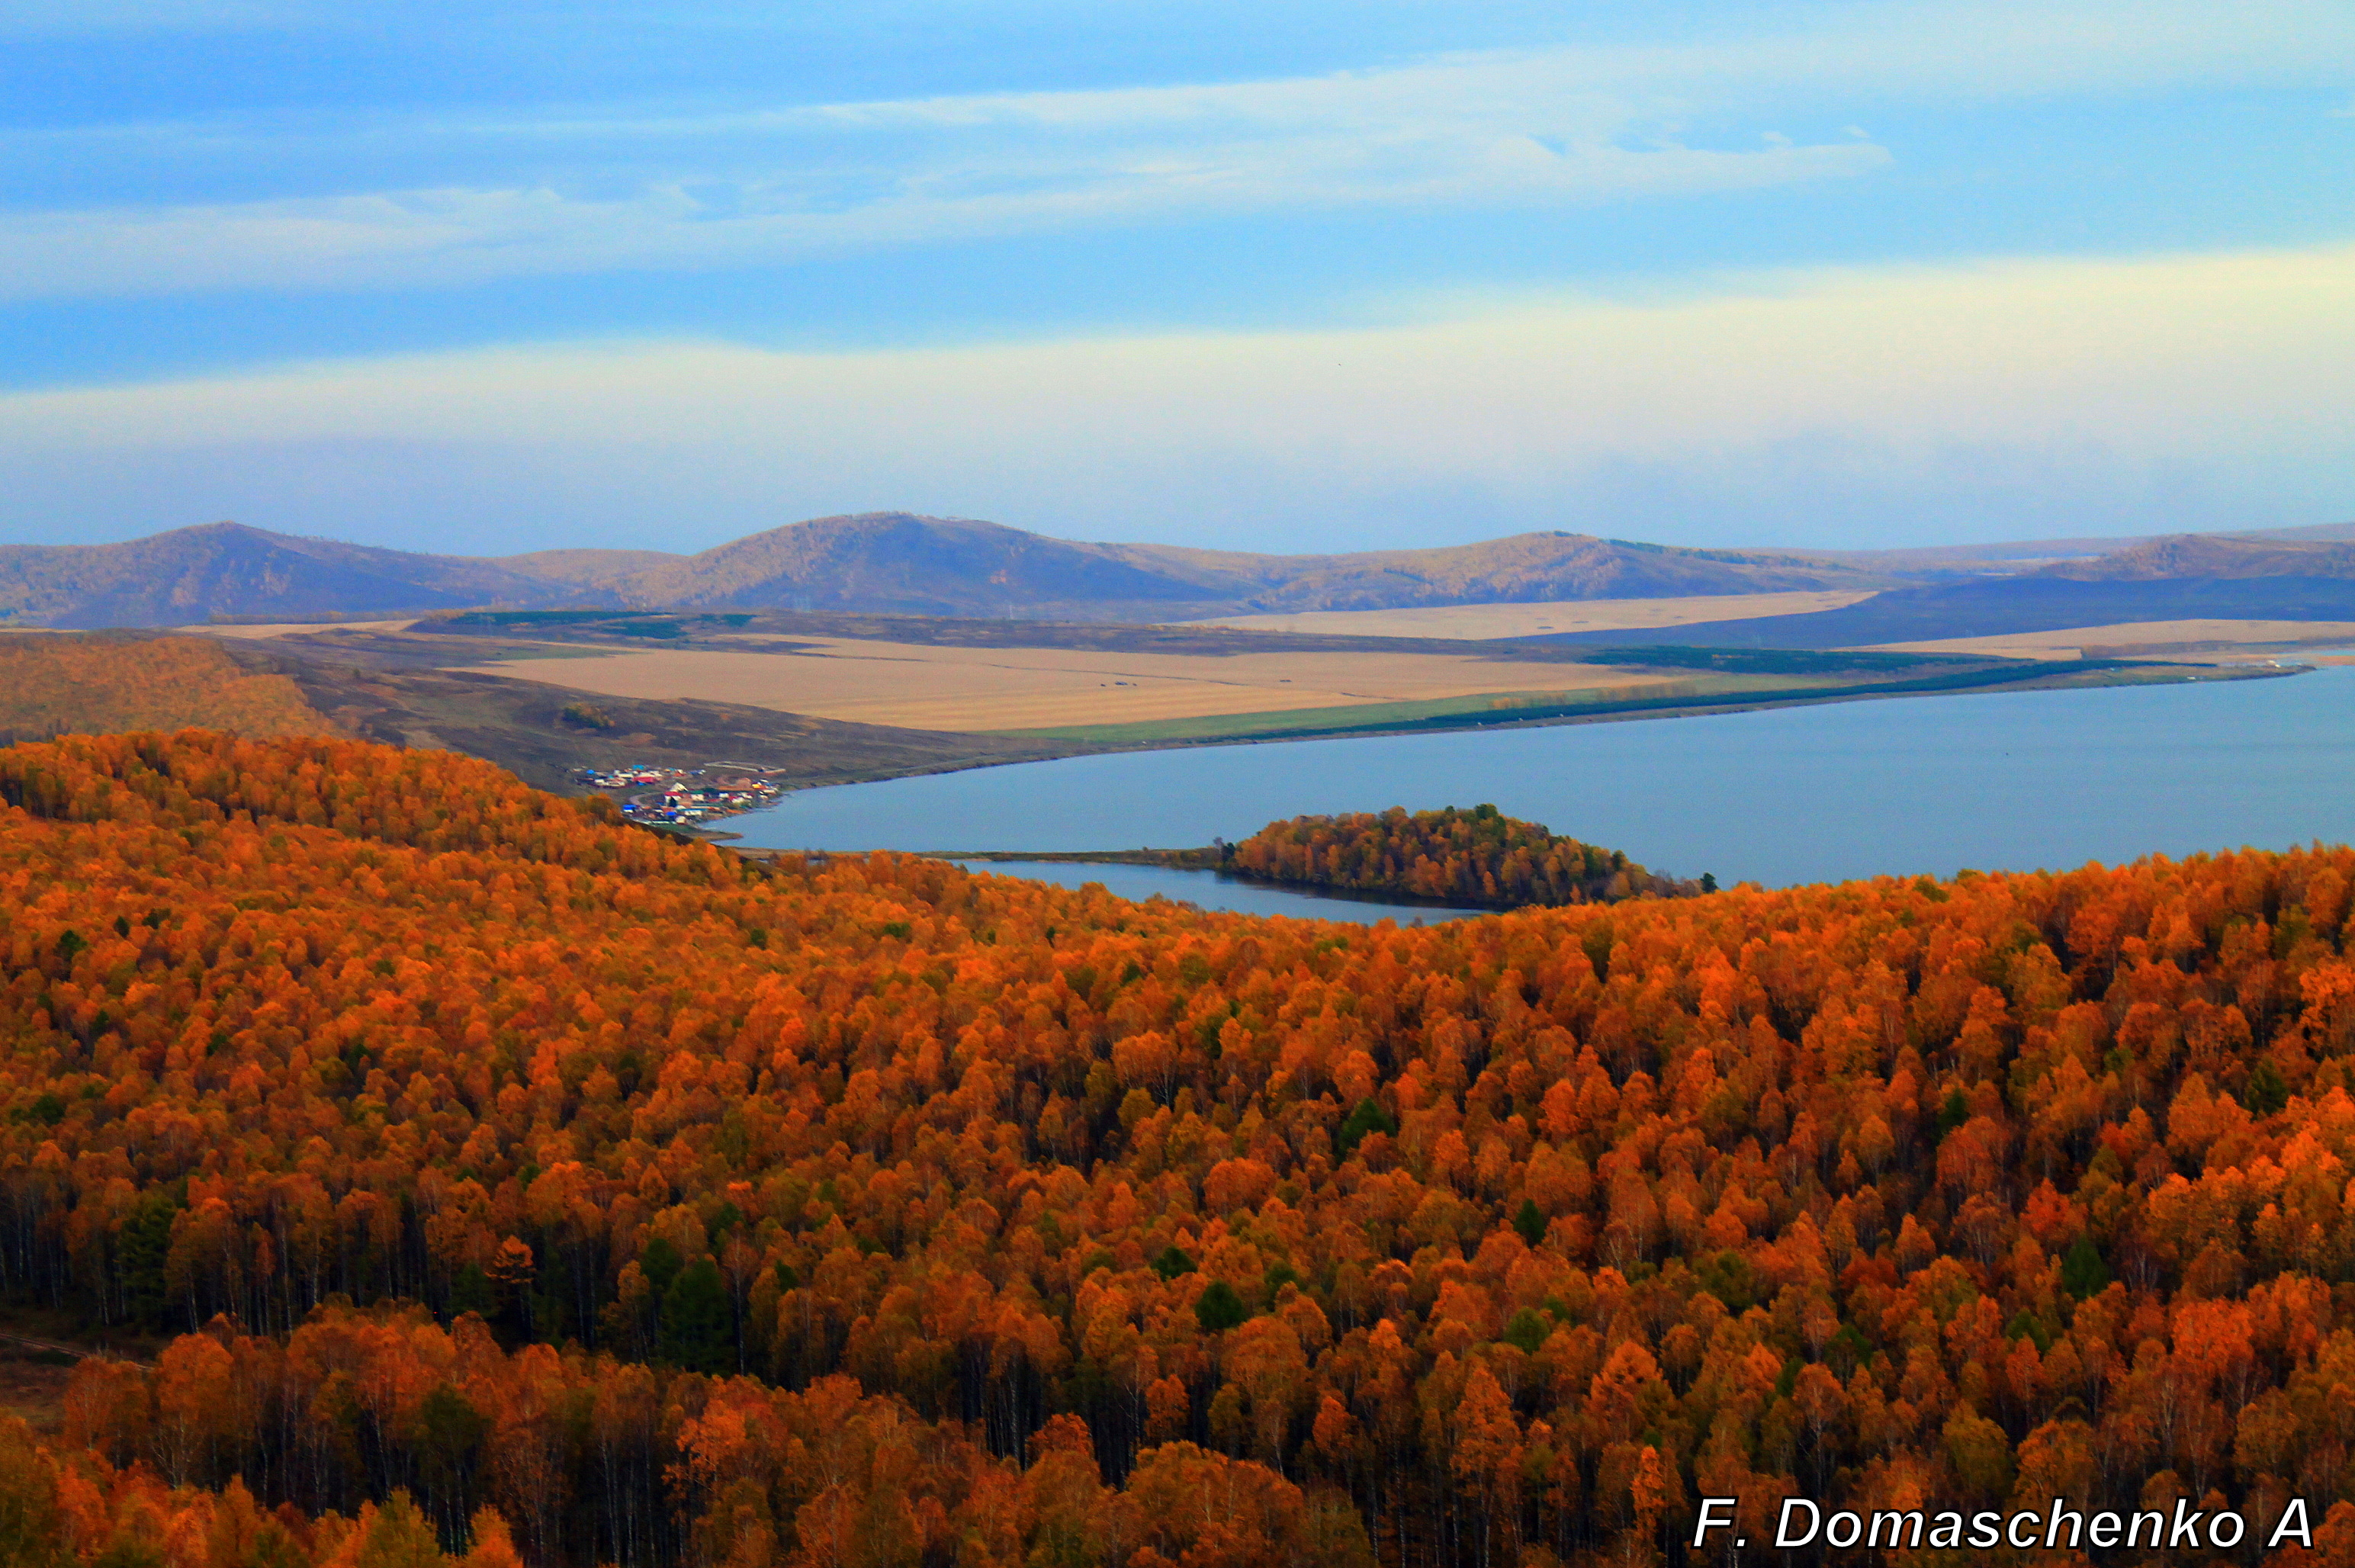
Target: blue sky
[(1266, 276)]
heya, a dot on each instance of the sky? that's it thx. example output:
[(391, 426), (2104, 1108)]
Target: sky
[(500, 275)]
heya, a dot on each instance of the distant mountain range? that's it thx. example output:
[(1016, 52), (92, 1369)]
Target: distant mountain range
[(880, 562), (190, 574), (895, 562), (936, 566), (2186, 577), (2219, 556), (1932, 563)]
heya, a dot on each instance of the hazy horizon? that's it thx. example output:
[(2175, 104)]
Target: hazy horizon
[(2120, 541), (1291, 277)]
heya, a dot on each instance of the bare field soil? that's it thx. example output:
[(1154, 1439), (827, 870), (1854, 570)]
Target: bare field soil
[(296, 628), (1716, 693), (523, 725), (929, 687), (2132, 638), (383, 687), (1476, 621), (1481, 708)]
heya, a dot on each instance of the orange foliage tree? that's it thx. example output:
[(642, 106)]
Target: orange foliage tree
[(1476, 857), (522, 1183)]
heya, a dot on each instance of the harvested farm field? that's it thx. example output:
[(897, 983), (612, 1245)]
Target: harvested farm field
[(266, 629), (1477, 621), (931, 687), (2131, 639)]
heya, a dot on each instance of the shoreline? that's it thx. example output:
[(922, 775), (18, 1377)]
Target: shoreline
[(1212, 860), (1632, 710), (1206, 858)]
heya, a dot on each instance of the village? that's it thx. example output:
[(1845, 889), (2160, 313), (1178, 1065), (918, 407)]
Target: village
[(683, 797)]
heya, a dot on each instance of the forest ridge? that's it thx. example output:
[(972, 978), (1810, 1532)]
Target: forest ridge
[(524, 1186)]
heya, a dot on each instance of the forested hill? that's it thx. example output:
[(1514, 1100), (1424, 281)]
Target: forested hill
[(1477, 857), (526, 1185)]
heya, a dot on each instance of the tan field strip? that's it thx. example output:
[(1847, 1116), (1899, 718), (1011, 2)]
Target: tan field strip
[(1478, 621), (292, 628), (920, 686), (2144, 637)]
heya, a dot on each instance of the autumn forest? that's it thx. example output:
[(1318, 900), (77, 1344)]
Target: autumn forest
[(1478, 856), (505, 1185)]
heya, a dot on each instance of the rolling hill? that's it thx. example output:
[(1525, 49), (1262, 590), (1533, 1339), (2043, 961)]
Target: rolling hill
[(902, 563), (926, 566), (108, 682), (1522, 568), (2004, 557), (226, 569), (889, 562), (2183, 577), (896, 561), (2212, 556), (584, 568)]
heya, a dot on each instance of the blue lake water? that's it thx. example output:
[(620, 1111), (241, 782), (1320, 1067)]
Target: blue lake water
[(1794, 795), (1214, 889)]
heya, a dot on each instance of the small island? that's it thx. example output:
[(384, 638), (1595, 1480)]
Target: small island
[(1477, 856)]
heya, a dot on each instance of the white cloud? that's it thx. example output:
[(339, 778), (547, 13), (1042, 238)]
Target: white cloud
[(454, 236), (1939, 49), (1989, 401), (1573, 124)]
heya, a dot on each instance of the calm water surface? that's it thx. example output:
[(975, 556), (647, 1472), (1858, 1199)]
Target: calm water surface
[(1794, 795), (1212, 890)]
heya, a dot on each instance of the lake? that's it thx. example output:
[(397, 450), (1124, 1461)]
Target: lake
[(1215, 890), (2008, 781)]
